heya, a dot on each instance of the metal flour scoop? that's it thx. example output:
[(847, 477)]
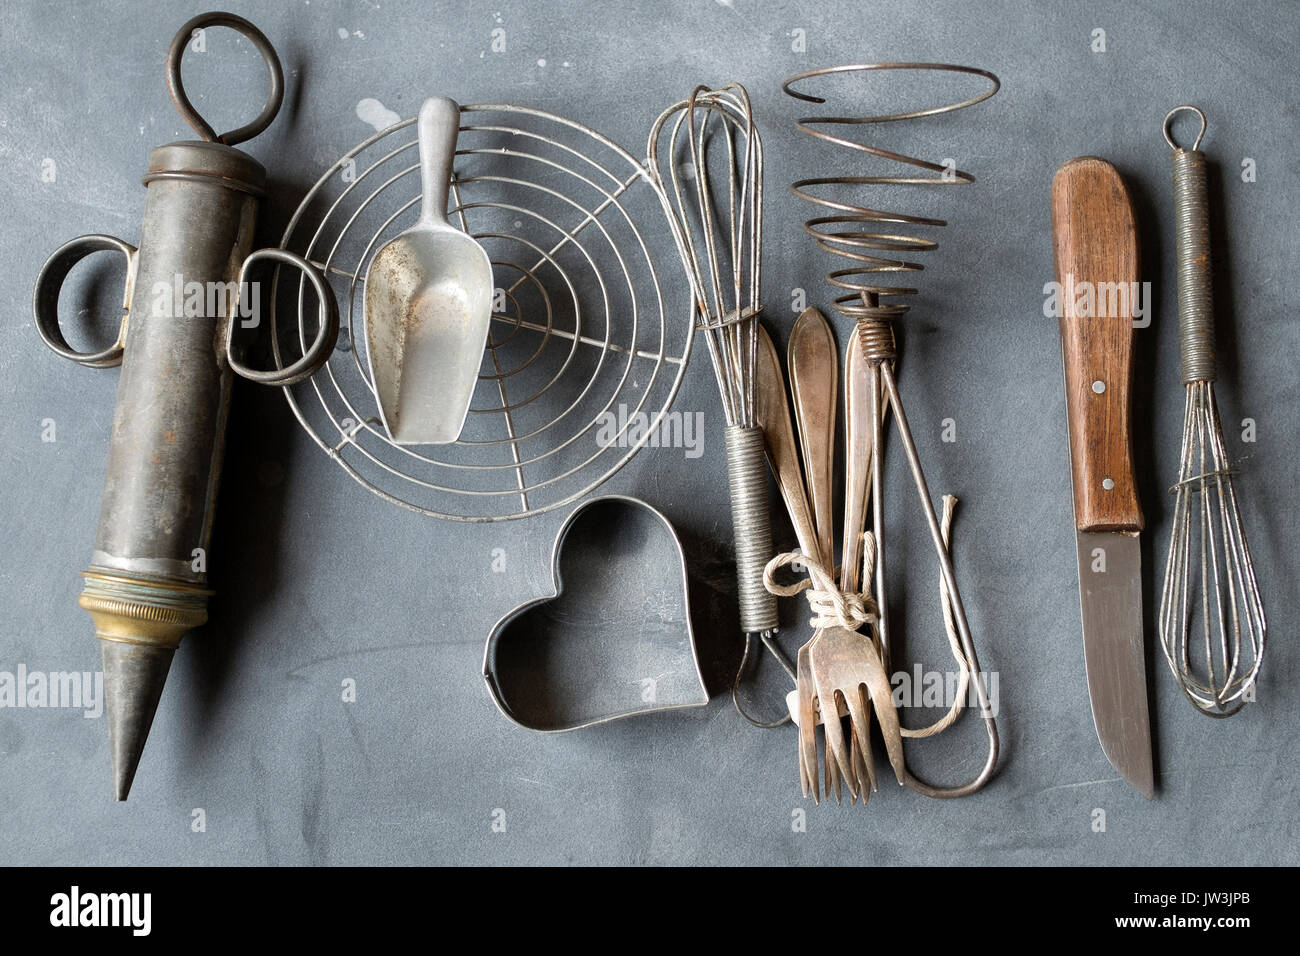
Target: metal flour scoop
[(428, 304)]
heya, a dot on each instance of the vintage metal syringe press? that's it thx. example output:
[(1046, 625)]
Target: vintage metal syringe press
[(144, 589)]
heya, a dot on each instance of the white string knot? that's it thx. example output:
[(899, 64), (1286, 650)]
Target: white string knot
[(830, 606)]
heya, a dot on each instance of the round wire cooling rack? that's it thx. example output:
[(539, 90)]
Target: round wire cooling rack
[(583, 358)]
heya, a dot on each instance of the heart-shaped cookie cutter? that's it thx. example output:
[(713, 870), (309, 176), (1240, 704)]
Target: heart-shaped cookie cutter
[(617, 643)]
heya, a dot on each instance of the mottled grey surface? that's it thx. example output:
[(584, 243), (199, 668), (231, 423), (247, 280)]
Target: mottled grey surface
[(320, 581)]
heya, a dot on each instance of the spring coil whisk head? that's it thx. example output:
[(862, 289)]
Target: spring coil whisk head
[(714, 158), (858, 233)]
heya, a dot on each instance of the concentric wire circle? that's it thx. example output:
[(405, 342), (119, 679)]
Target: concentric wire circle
[(585, 353)]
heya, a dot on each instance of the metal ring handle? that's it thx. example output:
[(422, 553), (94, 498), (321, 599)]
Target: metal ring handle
[(182, 102), (327, 331), (1169, 126), (49, 283)]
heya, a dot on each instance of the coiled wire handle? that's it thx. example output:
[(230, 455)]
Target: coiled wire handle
[(852, 231), (275, 77), (1192, 253), (747, 480)]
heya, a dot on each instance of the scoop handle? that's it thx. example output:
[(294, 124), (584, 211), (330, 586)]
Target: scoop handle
[(437, 128)]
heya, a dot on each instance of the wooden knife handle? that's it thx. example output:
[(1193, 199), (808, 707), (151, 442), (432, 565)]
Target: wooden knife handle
[(1094, 236)]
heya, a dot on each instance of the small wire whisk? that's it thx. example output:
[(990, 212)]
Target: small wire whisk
[(1211, 615), (715, 210)]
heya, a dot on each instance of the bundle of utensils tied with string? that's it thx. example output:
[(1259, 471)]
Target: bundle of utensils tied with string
[(711, 150), (845, 667), (845, 660)]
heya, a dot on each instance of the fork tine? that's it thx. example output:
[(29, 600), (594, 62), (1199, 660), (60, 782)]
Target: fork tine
[(868, 770), (807, 724), (835, 772), (836, 748), (860, 752), (808, 775), (881, 694), (803, 771), (833, 776), (798, 740), (866, 773), (860, 717), (855, 758)]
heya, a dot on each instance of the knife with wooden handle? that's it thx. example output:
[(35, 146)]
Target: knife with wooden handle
[(1094, 235)]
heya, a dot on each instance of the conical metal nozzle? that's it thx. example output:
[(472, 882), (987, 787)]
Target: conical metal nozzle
[(134, 675)]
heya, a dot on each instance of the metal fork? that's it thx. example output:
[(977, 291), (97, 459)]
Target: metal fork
[(838, 650), (839, 663), (772, 410), (845, 664), (812, 361), (857, 455)]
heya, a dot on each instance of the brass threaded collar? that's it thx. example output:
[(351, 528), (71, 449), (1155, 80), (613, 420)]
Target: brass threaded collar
[(140, 611)]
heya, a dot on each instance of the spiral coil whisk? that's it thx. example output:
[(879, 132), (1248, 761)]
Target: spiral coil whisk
[(849, 230), (852, 231)]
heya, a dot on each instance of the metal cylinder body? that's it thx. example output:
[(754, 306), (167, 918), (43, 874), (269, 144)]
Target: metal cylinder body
[(146, 585), (165, 452), (747, 479), (1192, 252), (164, 456)]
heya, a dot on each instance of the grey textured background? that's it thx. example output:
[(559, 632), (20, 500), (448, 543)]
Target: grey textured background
[(319, 581)]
